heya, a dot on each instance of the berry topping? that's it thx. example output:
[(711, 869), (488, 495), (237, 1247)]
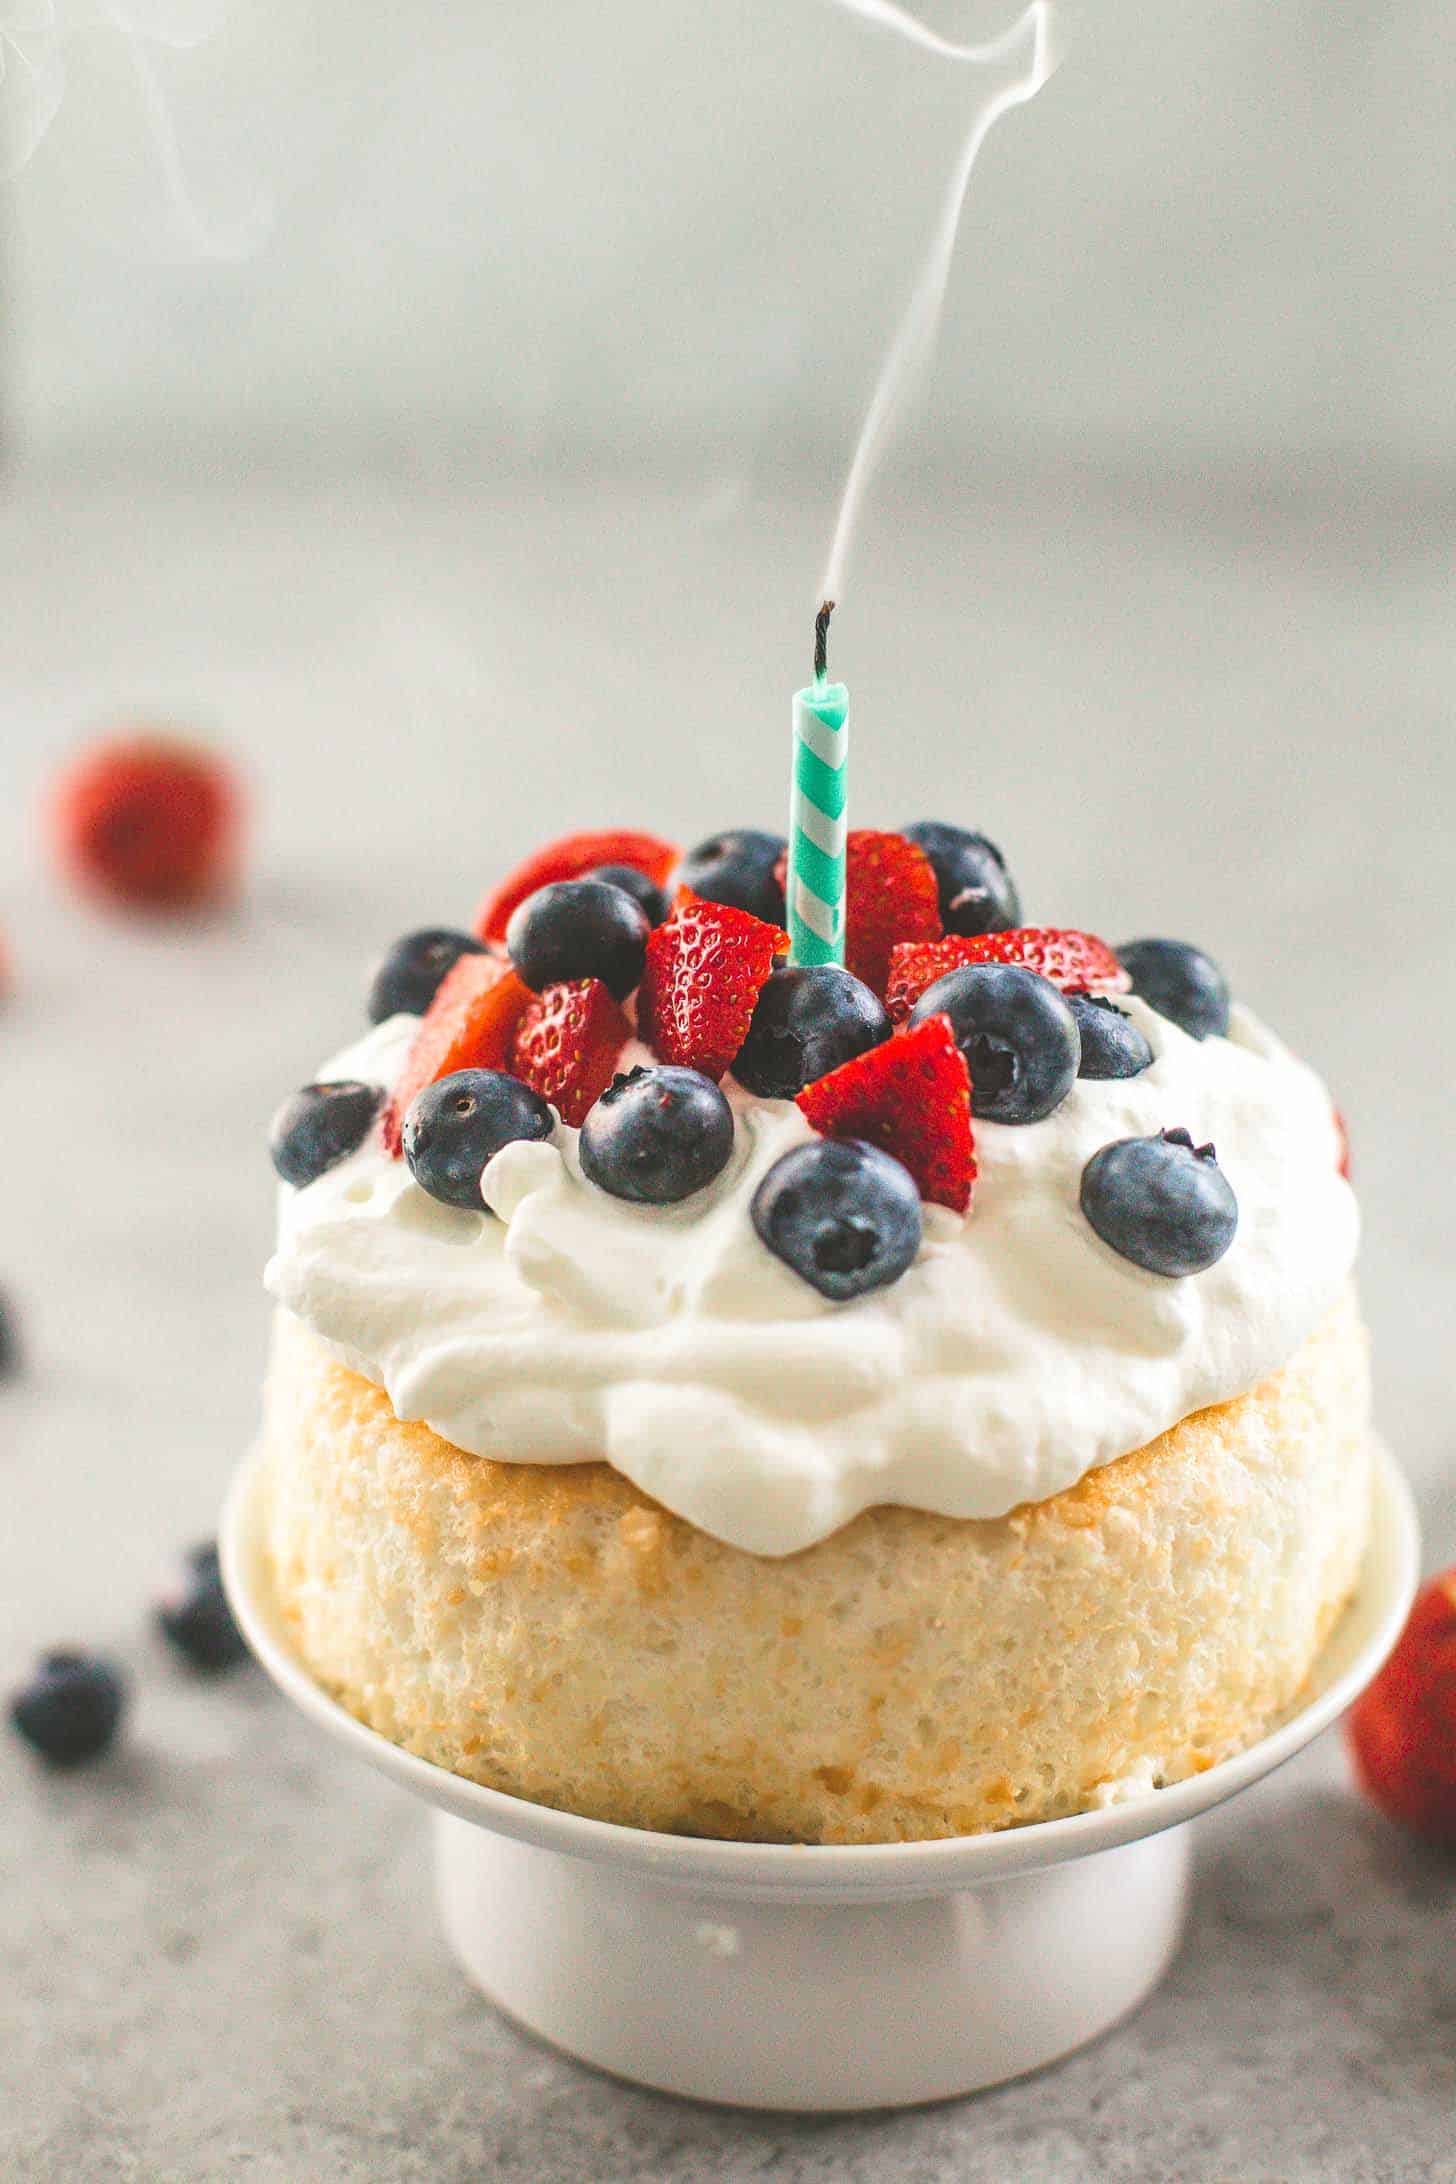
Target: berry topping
[(843, 1215), (455, 1127), (657, 1135), (891, 895), (636, 884), (808, 1020), (1017, 1034), (1162, 1202), (148, 822), (705, 971), (71, 1708), (470, 1024), (579, 929), (194, 1616), (319, 1126), (1342, 1140), (911, 1097), (1181, 983), (1112, 1045), (568, 1044), (1072, 961), (977, 893), (740, 869), (406, 980), (1402, 1729), (569, 859)]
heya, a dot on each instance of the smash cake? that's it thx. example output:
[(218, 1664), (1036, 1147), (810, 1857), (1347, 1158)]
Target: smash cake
[(725, 1395)]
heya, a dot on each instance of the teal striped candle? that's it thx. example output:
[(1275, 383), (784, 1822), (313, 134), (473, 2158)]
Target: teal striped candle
[(818, 812)]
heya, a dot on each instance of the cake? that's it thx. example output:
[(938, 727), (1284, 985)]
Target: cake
[(804, 1403)]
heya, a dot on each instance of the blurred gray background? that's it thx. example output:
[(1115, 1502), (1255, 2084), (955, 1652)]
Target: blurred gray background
[(329, 234), (445, 411)]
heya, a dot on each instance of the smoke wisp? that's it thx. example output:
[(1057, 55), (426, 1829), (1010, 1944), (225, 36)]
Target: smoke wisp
[(1028, 47)]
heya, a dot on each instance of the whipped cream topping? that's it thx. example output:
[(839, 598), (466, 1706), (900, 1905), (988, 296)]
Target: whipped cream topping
[(1016, 1354)]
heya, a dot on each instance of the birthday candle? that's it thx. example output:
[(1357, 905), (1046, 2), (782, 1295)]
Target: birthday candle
[(818, 811)]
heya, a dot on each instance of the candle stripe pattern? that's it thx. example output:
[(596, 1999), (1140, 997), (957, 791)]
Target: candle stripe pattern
[(818, 824)]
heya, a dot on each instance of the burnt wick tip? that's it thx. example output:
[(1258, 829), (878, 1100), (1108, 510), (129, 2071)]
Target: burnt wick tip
[(821, 640)]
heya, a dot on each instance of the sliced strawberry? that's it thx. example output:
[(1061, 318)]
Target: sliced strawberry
[(1077, 962), (705, 970), (1342, 1139), (567, 859), (470, 1024), (567, 1046), (891, 895), (912, 1097)]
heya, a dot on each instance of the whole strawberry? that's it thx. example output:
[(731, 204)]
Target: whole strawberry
[(148, 823), (1402, 1730)]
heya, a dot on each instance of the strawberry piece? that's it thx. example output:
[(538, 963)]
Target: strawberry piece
[(1342, 1139), (470, 1024), (912, 1097), (891, 896), (1076, 962), (705, 970), (1402, 1729), (567, 859), (148, 823), (567, 1046)]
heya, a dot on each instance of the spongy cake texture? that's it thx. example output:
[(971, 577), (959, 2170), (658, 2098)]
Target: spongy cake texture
[(551, 1632)]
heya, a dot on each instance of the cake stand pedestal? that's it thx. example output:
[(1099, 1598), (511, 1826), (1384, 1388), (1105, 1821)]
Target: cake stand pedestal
[(780, 1976), (810, 2005)]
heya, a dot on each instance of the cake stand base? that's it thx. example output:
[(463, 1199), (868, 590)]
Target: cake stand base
[(816, 2005)]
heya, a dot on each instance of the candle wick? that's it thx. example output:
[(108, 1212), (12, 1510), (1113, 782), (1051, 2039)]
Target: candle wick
[(821, 640)]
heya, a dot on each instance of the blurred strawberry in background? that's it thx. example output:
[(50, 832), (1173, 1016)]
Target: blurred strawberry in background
[(148, 821), (1402, 1730)]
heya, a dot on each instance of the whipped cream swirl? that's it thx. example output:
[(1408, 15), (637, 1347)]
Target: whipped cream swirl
[(1016, 1354)]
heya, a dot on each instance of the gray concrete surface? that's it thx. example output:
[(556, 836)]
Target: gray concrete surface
[(219, 1951)]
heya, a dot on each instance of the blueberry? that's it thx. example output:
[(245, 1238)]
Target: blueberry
[(320, 1126), (406, 980), (1017, 1033), (194, 1615), (71, 1708), (457, 1125), (1180, 982), (977, 893), (657, 1135), (806, 1023), (842, 1214), (1162, 1202), (636, 884), (1112, 1045), (579, 929), (739, 868)]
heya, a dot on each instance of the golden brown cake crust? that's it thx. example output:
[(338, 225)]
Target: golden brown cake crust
[(554, 1633)]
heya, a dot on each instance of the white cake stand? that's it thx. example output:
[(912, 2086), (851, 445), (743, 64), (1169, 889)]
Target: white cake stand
[(778, 1976)]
